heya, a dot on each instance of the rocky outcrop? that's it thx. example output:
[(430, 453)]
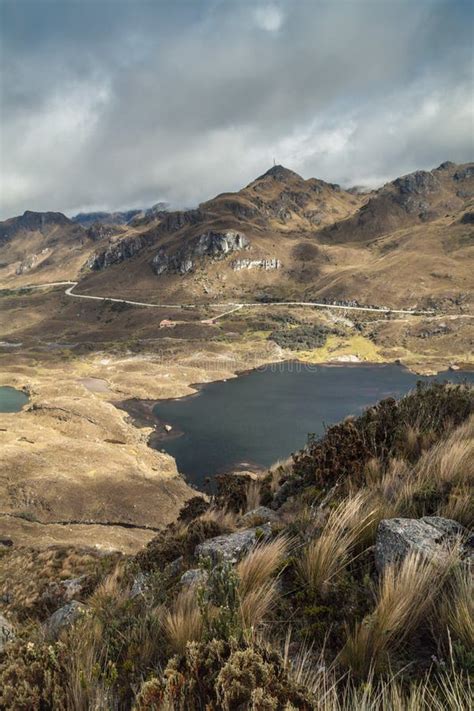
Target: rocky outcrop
[(7, 632), (64, 617), (193, 577), (98, 231), (212, 245), (118, 252), (465, 173), (86, 219), (431, 536), (265, 264), (233, 547)]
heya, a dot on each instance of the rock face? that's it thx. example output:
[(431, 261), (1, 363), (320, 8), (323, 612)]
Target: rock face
[(194, 576), (265, 264), (430, 536), (233, 547), (117, 252), (64, 617), (6, 632), (213, 245)]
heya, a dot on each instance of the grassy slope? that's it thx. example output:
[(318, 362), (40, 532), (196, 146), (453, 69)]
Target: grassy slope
[(308, 599)]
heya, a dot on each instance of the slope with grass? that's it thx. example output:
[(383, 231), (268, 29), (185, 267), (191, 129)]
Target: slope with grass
[(299, 619)]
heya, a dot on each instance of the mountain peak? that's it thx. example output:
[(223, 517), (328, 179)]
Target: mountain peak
[(279, 172)]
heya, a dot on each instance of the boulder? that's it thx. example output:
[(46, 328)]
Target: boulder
[(63, 618), (262, 514), (6, 632), (139, 585), (231, 548), (194, 576), (73, 587), (431, 536)]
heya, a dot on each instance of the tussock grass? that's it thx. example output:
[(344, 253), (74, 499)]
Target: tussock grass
[(183, 623), (406, 594), (256, 604), (455, 612), (257, 589), (261, 564), (327, 556), (252, 494), (459, 507), (224, 518)]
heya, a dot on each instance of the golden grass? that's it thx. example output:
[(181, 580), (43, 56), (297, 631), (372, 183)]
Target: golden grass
[(224, 518), (257, 604), (459, 507), (406, 594), (257, 587), (183, 623), (260, 564), (252, 494), (456, 610), (327, 556)]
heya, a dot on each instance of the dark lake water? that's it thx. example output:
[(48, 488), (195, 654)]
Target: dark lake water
[(267, 414), (12, 400)]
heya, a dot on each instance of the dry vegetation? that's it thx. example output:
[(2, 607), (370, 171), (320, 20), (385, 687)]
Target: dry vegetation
[(303, 620)]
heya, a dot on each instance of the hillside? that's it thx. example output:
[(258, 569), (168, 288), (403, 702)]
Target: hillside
[(407, 244), (38, 247), (337, 580)]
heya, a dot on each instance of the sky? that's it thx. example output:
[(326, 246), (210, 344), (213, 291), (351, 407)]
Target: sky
[(114, 104)]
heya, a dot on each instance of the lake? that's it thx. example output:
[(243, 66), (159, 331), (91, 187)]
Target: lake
[(265, 415), (12, 400)]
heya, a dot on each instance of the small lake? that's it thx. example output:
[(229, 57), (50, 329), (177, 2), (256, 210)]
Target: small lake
[(12, 400), (267, 414)]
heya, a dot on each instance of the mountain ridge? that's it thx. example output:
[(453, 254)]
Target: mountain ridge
[(303, 238)]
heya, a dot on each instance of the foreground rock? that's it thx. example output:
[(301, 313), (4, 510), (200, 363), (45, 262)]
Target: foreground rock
[(262, 514), (6, 632), (430, 536), (194, 576), (233, 547), (63, 618)]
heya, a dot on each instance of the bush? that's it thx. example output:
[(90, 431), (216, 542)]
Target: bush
[(381, 433), (301, 338)]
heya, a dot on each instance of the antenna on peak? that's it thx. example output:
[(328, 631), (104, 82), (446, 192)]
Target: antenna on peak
[(274, 161)]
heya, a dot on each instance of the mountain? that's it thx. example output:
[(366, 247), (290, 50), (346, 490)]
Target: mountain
[(86, 219), (282, 237), (41, 247)]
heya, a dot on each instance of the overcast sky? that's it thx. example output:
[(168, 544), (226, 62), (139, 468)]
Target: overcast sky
[(109, 104)]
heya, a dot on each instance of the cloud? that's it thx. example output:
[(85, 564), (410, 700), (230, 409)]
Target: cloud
[(269, 18), (121, 104)]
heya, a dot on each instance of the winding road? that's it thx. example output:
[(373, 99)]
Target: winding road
[(231, 308)]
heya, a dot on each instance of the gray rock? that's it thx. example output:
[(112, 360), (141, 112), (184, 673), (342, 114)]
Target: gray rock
[(212, 245), (118, 252), (73, 587), (6, 632), (175, 566), (66, 616), (139, 585), (430, 536), (263, 264), (231, 548), (262, 514), (194, 576)]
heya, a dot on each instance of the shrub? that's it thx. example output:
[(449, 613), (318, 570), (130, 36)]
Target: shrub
[(300, 338), (381, 433), (31, 677)]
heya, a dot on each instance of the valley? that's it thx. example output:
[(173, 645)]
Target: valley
[(144, 305)]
